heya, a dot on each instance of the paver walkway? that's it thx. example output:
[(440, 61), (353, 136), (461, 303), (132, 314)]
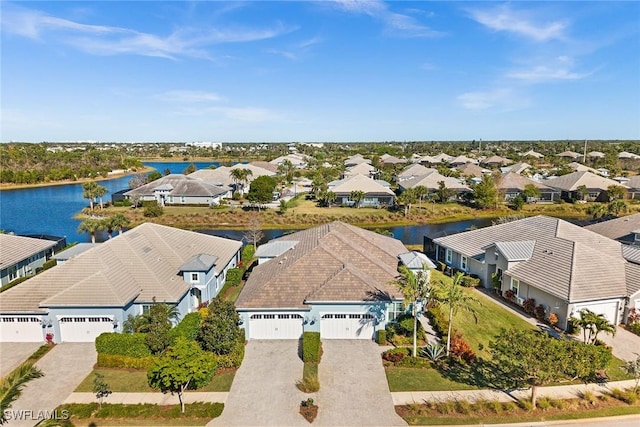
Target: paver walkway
[(12, 354), (353, 386)]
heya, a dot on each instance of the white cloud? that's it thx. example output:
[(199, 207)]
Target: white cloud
[(502, 98), (105, 40), (503, 18), (189, 96), (544, 73)]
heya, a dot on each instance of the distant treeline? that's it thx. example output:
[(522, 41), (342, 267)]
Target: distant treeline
[(37, 163)]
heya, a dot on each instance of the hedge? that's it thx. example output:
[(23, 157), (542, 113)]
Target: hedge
[(141, 410), (234, 276), (131, 345), (247, 253), (311, 347), (233, 359), (438, 321), (125, 362), (14, 282), (382, 337), (188, 327)]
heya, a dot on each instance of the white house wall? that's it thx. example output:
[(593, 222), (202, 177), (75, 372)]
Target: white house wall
[(56, 313)]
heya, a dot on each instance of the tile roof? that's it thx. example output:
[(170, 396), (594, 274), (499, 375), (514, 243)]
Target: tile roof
[(572, 181), (74, 251), (496, 159), (634, 182), (416, 260), (14, 249), (332, 262), (515, 251), (432, 182), (180, 185), (471, 169), (359, 169), (275, 248), (199, 262), (462, 160), (515, 181), (571, 154), (631, 253), (633, 278), (618, 228), (532, 153), (140, 264), (359, 182), (415, 169)]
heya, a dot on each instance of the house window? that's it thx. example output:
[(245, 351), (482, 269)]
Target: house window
[(463, 263), (146, 308), (395, 310), (515, 285), (449, 256), (194, 277)]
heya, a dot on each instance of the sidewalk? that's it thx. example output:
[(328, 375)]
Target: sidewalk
[(556, 392), (156, 398)]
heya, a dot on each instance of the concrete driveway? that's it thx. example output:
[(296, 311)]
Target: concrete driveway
[(64, 367), (13, 354), (625, 345), (264, 390), (353, 386)]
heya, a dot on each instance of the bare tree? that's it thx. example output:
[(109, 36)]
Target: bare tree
[(254, 231), (138, 180)]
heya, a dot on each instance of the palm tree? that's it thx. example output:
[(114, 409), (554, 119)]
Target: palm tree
[(406, 198), (12, 385), (91, 226), (357, 196), (118, 222), (421, 191), (99, 192), (592, 324), (89, 192), (597, 210), (286, 169), (415, 288), (240, 176), (617, 206), (453, 296)]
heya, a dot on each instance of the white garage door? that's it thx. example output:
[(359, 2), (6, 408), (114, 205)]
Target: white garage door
[(275, 326), (609, 309), (347, 326), (20, 329), (84, 329)]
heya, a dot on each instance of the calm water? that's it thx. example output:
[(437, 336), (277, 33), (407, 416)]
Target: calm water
[(50, 210)]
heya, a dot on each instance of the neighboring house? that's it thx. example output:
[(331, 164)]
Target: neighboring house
[(532, 154), (579, 167), (222, 176), (628, 156), (21, 256), (603, 171), (356, 160), (595, 155), (495, 162), (95, 291), (517, 168), (625, 229), (472, 170), (563, 267), (511, 184), (179, 189), (461, 160), (417, 261), (432, 182), (387, 160), (634, 187), (299, 161), (376, 193), (413, 171), (73, 251), (568, 184), (336, 279), (360, 169), (569, 155)]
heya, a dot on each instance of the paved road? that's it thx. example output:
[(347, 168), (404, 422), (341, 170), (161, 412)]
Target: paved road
[(64, 367), (353, 386), (13, 354), (264, 390)]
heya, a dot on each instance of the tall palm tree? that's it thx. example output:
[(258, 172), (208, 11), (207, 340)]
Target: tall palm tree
[(452, 295), (357, 196), (406, 198), (415, 289), (12, 385), (91, 226), (421, 192), (240, 177), (592, 324), (89, 192), (118, 222), (99, 192)]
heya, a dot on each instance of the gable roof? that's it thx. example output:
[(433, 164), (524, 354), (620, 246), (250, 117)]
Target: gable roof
[(415, 260), (515, 251), (432, 181), (572, 181), (634, 182), (359, 169), (333, 262), (275, 248), (462, 159), (569, 154), (139, 265), (471, 169), (361, 183), (621, 229), (17, 248), (513, 180), (496, 160), (180, 185), (532, 153), (414, 170), (356, 160), (199, 262)]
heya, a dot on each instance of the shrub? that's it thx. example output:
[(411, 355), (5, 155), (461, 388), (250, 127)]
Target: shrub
[(414, 362), (553, 319), (633, 317), (543, 403), (438, 321), (132, 345), (627, 396), (463, 407), (470, 282), (124, 362), (49, 264), (434, 351), (634, 327), (311, 347), (382, 336), (395, 355), (149, 203), (78, 410), (188, 327), (308, 384), (247, 253), (525, 404), (234, 276), (389, 332), (15, 282), (461, 349), (509, 294), (153, 211), (234, 358), (540, 312), (529, 305)]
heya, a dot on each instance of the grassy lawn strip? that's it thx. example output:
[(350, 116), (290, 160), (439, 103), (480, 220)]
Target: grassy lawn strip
[(135, 381), (420, 379), (199, 413)]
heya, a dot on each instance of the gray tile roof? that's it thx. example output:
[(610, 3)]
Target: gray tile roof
[(618, 228), (14, 249), (199, 262), (432, 182), (633, 278), (471, 169), (415, 169), (332, 262), (568, 261), (416, 260), (572, 181), (359, 169), (179, 185), (496, 160), (74, 251), (275, 248), (634, 182), (631, 253), (140, 264), (516, 250)]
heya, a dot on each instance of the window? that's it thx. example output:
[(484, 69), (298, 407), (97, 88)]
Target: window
[(339, 316), (269, 316), (194, 277), (515, 285), (256, 316), (449, 256), (463, 263), (296, 316), (146, 308), (354, 316), (327, 316), (283, 316), (395, 310)]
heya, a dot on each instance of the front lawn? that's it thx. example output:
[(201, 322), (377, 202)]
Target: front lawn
[(421, 379), (135, 381)]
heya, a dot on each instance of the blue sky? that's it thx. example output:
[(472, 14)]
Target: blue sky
[(319, 71)]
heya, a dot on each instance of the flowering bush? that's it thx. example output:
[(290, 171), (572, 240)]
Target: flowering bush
[(634, 316), (461, 349), (49, 338), (553, 319), (509, 294), (529, 305), (540, 312)]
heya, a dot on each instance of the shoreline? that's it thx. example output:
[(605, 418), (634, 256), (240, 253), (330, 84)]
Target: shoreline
[(9, 187)]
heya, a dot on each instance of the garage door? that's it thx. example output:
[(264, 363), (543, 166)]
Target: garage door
[(84, 329), (275, 326), (609, 309), (20, 329), (347, 326)]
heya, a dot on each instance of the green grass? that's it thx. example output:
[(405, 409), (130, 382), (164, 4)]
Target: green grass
[(133, 381), (417, 379)]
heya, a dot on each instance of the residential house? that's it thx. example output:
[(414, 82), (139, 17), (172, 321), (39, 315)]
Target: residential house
[(563, 267), (625, 230), (512, 184), (413, 171), (360, 169), (389, 160), (595, 155), (569, 155), (518, 168), (532, 154), (222, 176), (634, 187), (579, 167), (22, 256), (73, 251), (495, 162), (298, 160), (417, 261), (335, 279), (95, 291), (472, 170), (625, 155), (462, 160), (569, 184), (432, 182), (376, 192), (179, 189), (356, 160)]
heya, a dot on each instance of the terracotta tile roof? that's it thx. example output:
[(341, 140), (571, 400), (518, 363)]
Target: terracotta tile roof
[(332, 262)]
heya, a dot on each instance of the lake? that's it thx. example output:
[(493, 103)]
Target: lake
[(50, 210)]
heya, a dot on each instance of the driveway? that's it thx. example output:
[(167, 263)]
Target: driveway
[(13, 354), (353, 386), (625, 345), (64, 367), (264, 390)]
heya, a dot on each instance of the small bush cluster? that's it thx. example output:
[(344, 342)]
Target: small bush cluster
[(382, 336), (311, 347), (188, 327), (460, 349), (233, 359), (234, 276), (540, 312), (153, 211), (395, 355), (628, 396), (131, 345), (247, 253), (49, 264), (142, 410), (634, 327), (529, 305), (124, 362), (470, 282), (438, 321)]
